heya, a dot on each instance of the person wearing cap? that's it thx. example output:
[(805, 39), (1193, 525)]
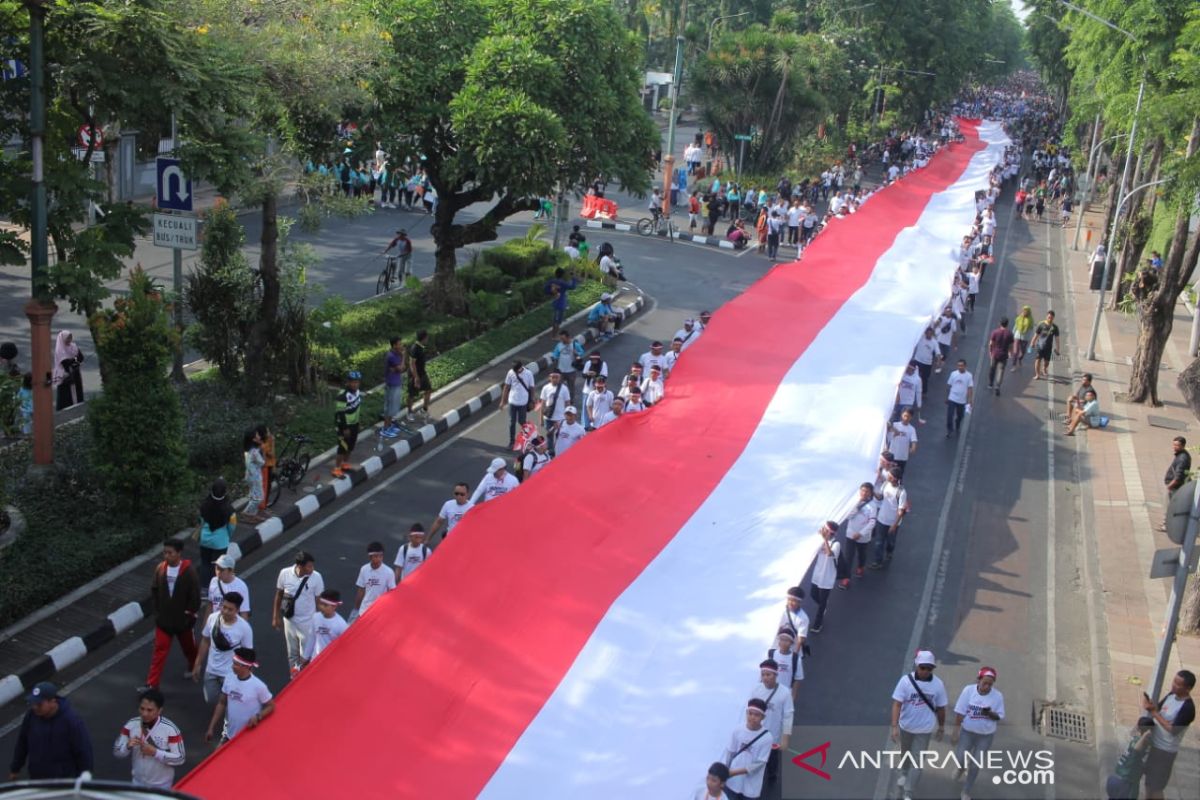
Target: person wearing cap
[(859, 526), (824, 574), (245, 699), (404, 251), (893, 505), (615, 410), (295, 603), (688, 334), (902, 439), (555, 397), (603, 317), (781, 712), (788, 659), (569, 432), (909, 392), (747, 753), (516, 394), (918, 708), (412, 554), (52, 741), (175, 598), (347, 407), (224, 632), (452, 511), (568, 357), (373, 582), (223, 582), (651, 357), (980, 706), (714, 783), (652, 385), (152, 742), (327, 626), (598, 403), (496, 482)]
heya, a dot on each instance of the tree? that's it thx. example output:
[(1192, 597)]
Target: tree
[(220, 294), (517, 98)]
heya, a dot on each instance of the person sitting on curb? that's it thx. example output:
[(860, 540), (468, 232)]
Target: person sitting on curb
[(1088, 413)]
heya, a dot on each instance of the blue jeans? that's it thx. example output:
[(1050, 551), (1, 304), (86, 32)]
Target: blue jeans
[(516, 416), (913, 743), (976, 744), (884, 540)]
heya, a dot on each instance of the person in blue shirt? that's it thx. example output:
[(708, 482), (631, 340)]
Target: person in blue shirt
[(603, 317), (557, 287)]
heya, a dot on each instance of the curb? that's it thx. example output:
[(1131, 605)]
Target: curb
[(711, 241), (610, 226), (75, 648)]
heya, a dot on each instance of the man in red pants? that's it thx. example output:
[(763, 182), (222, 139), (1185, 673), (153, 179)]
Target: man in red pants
[(175, 592)]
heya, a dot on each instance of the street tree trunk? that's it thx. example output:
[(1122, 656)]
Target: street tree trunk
[(1139, 222), (262, 332)]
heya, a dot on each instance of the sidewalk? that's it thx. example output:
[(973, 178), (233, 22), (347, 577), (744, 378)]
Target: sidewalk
[(51, 640), (1124, 499)]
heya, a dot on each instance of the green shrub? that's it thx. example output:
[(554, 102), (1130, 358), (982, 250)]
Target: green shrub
[(137, 421), (220, 294), (215, 417), (484, 278)]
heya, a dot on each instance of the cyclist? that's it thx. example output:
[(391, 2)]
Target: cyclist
[(347, 405), (656, 202), (404, 249)]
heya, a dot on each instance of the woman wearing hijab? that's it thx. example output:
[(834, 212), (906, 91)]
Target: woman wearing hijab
[(67, 377), (217, 522), (1022, 329)]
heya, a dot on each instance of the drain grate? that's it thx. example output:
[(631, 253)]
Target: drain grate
[(1063, 723)]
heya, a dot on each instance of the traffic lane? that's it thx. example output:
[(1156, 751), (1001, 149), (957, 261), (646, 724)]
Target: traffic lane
[(338, 541)]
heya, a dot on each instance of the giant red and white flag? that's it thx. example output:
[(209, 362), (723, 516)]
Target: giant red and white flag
[(593, 634)]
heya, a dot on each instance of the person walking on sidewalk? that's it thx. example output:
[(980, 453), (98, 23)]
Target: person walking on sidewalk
[(418, 377), (918, 707), (1181, 465), (1171, 716), (175, 599), (1000, 344), (347, 410), (1045, 345), (958, 399), (52, 739), (152, 742), (254, 461), (296, 590), (1022, 330), (394, 369), (980, 706)]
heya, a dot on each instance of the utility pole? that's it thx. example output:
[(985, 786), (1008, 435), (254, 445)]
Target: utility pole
[(177, 271), (41, 308), (1087, 180), (669, 152)]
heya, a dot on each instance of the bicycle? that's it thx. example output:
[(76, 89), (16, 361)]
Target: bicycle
[(659, 225), (388, 277), (290, 468)]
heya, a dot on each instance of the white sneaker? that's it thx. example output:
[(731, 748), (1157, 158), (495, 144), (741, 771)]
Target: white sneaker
[(901, 781)]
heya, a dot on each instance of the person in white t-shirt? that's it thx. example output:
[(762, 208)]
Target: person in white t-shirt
[(980, 706), (795, 617), (496, 482), (224, 632), (1171, 717), (902, 439), (651, 357), (635, 403), (515, 394), (747, 752), (893, 505), (781, 714), (452, 512), (296, 589), (671, 357), (599, 402), (327, 625), (926, 354), (910, 391), (555, 397), (373, 582), (569, 432), (958, 399), (714, 783), (918, 707), (615, 410), (535, 458), (245, 700), (226, 581), (412, 554), (652, 385), (688, 335), (944, 329), (786, 654), (859, 526), (824, 574)]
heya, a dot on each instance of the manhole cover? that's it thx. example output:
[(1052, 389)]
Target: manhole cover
[(1063, 723)]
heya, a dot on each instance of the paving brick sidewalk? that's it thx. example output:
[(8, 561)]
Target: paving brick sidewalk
[(64, 634), (1124, 465)]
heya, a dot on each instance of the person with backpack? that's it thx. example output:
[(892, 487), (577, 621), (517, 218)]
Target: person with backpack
[(747, 753), (918, 708), (412, 554), (175, 599), (781, 712), (788, 658), (534, 459)]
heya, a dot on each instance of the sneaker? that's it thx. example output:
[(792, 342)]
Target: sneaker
[(887, 559), (349, 467), (844, 583), (815, 628), (390, 432), (901, 781), (337, 472), (858, 572)]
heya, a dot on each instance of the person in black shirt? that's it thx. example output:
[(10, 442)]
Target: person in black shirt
[(1045, 345), (1177, 473), (418, 378)]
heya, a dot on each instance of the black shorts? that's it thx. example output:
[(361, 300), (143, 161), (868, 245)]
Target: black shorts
[(1158, 770), (347, 438), (419, 384)]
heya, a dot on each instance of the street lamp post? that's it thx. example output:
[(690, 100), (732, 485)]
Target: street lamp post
[(669, 155), (1112, 239), (712, 25), (1090, 179), (41, 308)]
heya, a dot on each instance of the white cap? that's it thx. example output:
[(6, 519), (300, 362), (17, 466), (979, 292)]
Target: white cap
[(570, 410), (497, 463), (225, 561), (925, 657), (606, 296)]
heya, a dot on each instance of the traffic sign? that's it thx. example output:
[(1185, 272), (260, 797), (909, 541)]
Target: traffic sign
[(742, 137), (175, 231), (12, 69), (173, 189), (80, 152), (85, 136)]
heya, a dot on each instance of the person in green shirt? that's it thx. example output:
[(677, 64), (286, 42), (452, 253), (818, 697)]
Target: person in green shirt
[(346, 417)]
